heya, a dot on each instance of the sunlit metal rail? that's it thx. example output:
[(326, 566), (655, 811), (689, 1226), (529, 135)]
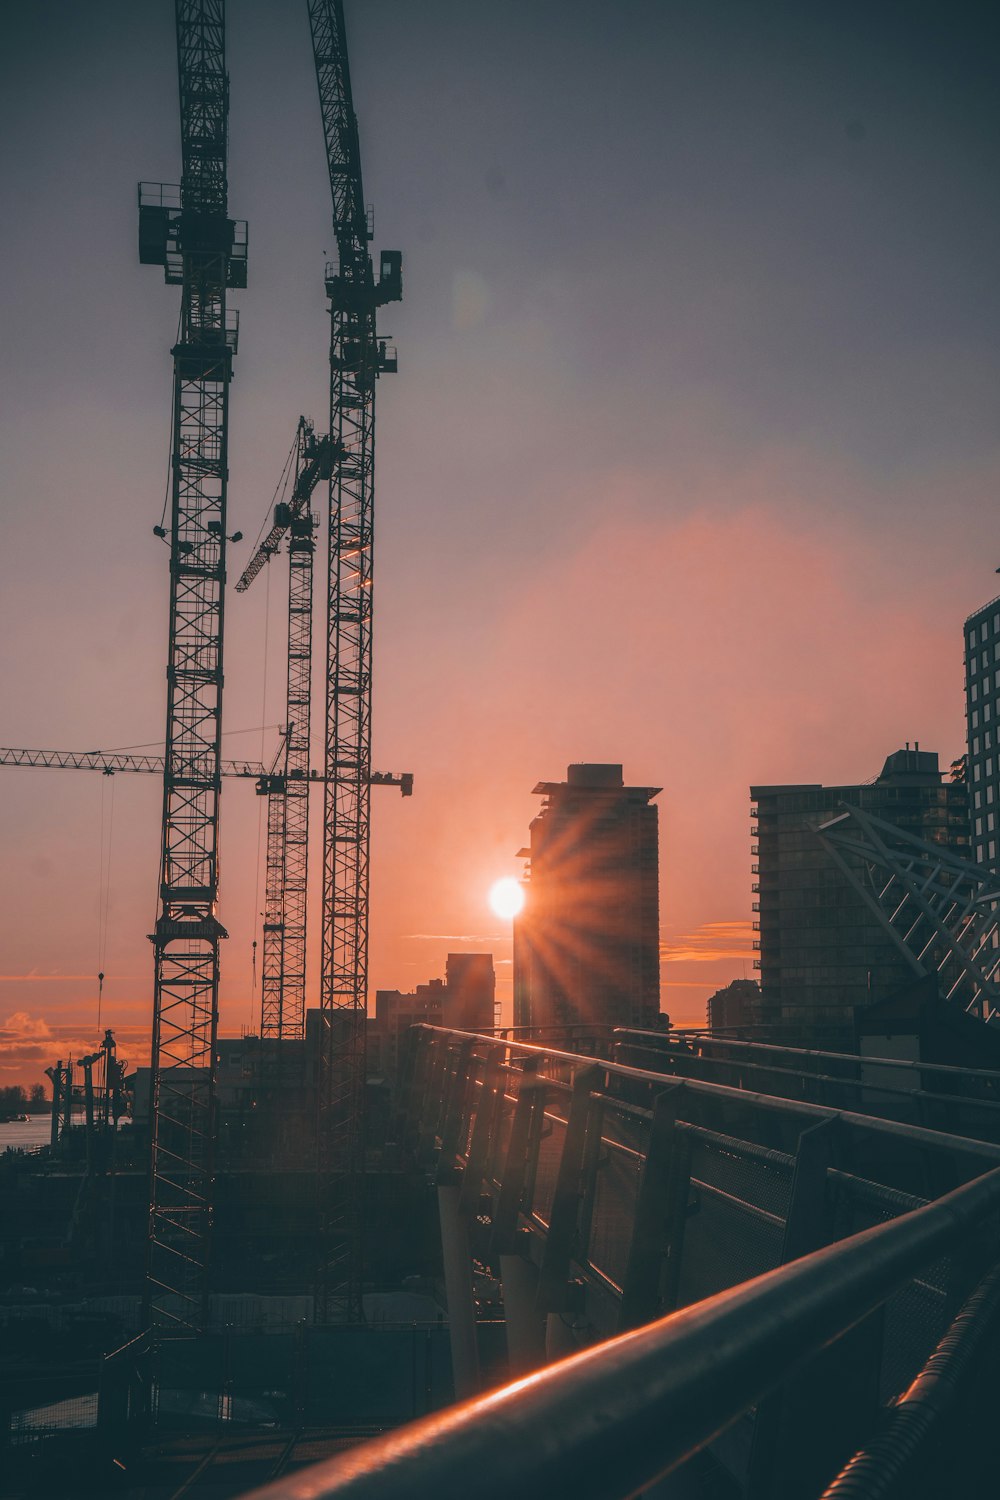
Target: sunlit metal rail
[(963, 1101), (782, 1279)]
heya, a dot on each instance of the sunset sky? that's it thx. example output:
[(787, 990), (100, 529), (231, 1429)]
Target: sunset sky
[(691, 462)]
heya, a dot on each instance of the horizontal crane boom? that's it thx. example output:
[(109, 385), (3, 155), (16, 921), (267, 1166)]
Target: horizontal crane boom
[(111, 762)]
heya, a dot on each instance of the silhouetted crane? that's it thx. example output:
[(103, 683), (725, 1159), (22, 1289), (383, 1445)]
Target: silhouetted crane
[(188, 231), (357, 358), (283, 971)]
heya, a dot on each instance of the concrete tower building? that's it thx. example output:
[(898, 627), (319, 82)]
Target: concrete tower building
[(982, 720), (586, 945), (823, 953)]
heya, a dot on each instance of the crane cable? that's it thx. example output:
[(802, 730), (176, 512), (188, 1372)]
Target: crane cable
[(280, 491)]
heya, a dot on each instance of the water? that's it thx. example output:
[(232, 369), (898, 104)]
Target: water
[(36, 1130)]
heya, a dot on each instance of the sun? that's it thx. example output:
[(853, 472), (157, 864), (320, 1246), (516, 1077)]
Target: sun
[(506, 897)]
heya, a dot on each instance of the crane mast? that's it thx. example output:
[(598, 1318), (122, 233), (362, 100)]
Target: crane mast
[(283, 971), (357, 357), (189, 232)]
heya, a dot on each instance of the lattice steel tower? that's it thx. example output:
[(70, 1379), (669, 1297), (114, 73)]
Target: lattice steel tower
[(357, 357), (188, 231), (283, 971)]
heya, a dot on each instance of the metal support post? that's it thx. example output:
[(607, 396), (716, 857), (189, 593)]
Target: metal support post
[(524, 1324), (484, 1129), (530, 1102), (655, 1213), (562, 1240), (457, 1255)]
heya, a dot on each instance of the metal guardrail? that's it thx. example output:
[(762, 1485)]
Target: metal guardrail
[(608, 1421), (699, 1037), (963, 1100)]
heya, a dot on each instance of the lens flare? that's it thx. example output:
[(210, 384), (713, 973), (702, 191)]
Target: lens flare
[(506, 897)]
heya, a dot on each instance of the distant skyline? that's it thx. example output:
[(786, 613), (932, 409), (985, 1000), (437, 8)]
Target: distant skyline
[(688, 464)]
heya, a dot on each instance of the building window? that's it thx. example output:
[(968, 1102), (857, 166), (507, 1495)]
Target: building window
[(989, 794), (974, 689), (989, 766), (991, 822), (982, 631), (979, 826), (975, 745), (977, 772), (987, 713), (987, 739), (993, 849), (972, 640), (975, 718), (979, 799), (996, 623)]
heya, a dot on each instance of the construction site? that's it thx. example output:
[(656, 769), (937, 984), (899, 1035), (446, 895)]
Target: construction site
[(233, 1192), (583, 1252)]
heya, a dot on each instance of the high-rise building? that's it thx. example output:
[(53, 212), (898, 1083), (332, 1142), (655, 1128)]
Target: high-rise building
[(586, 944), (823, 951), (982, 720)]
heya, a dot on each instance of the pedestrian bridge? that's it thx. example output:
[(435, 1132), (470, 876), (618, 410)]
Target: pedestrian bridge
[(708, 1289)]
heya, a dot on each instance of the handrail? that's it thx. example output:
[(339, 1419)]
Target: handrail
[(803, 1074), (609, 1421), (889, 1464), (917, 1134), (991, 1075)]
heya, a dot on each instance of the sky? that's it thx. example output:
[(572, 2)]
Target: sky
[(690, 463)]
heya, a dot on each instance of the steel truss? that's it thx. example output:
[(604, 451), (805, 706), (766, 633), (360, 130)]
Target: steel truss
[(283, 974), (943, 912), (191, 235), (356, 359)]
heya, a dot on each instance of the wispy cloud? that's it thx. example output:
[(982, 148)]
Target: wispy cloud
[(30, 1042), (21, 1024), (35, 977), (453, 937), (710, 943), (687, 984)]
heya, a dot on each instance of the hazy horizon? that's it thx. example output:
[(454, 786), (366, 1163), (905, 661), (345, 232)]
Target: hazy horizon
[(685, 465)]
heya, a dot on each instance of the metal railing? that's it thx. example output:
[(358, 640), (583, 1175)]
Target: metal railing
[(611, 1420), (943, 1096)]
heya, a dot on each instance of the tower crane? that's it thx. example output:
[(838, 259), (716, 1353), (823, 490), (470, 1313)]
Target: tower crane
[(357, 358), (188, 231), (283, 971)]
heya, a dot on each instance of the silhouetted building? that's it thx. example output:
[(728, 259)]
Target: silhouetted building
[(586, 945), (738, 1004), (470, 991), (982, 720), (463, 1001), (823, 952)]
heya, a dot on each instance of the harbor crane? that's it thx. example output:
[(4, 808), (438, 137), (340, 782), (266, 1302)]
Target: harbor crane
[(357, 358)]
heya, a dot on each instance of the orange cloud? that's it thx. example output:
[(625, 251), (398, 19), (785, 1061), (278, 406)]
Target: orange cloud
[(20, 1024), (712, 942)]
